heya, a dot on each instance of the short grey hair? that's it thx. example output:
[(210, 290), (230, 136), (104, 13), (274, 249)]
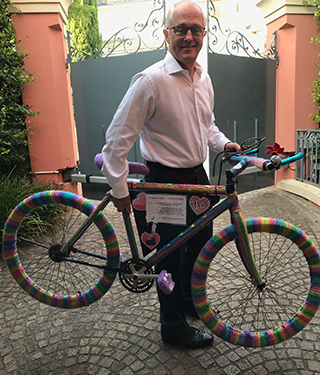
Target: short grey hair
[(170, 12)]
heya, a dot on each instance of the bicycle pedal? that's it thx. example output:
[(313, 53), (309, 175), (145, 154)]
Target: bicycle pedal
[(165, 282)]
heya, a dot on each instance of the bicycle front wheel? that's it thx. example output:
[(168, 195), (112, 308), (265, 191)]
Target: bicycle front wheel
[(37, 264), (247, 315)]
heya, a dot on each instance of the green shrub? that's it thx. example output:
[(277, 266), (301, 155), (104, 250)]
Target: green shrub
[(14, 115), (84, 27), (13, 189), (316, 83)]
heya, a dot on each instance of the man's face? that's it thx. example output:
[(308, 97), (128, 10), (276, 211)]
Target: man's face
[(185, 49)]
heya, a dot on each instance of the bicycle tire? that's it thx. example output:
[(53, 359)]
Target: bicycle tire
[(249, 317), (64, 284)]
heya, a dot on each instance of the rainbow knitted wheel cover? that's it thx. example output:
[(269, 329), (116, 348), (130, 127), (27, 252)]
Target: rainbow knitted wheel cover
[(277, 334), (11, 255)]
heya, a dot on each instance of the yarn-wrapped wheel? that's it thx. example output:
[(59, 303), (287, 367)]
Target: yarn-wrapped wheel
[(38, 265), (247, 315)]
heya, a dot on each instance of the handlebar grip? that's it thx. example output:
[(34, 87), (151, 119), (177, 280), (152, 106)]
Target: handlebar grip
[(292, 159), (254, 151)]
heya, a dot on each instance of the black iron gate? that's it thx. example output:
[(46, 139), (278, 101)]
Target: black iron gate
[(243, 80)]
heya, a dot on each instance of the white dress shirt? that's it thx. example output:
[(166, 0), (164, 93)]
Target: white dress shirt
[(173, 116)]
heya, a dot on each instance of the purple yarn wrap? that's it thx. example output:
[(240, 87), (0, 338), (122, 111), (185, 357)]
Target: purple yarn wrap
[(134, 168)]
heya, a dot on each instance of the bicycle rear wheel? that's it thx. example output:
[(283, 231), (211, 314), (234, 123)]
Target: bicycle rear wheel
[(243, 314), (36, 263)]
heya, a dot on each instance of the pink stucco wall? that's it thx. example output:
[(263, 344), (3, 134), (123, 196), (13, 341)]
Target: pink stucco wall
[(296, 72), (53, 145)]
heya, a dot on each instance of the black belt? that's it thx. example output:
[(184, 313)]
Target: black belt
[(190, 170)]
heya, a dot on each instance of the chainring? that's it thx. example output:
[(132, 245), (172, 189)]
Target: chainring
[(131, 266)]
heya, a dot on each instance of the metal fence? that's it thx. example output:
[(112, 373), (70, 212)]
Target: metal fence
[(308, 170)]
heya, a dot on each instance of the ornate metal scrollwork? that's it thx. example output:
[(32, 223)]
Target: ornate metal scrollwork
[(234, 42), (214, 28), (137, 38), (272, 53), (128, 39), (73, 53)]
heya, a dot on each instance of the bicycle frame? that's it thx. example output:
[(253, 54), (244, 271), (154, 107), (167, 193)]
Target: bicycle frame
[(230, 203)]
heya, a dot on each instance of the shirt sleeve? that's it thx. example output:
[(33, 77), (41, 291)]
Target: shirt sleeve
[(135, 108), (216, 139)]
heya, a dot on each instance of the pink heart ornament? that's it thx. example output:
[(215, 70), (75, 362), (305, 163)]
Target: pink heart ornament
[(140, 202), (151, 240)]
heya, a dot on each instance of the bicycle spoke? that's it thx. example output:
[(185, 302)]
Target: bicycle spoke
[(239, 312), (223, 305)]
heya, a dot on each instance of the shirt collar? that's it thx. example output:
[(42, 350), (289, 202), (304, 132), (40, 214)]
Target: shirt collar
[(173, 66)]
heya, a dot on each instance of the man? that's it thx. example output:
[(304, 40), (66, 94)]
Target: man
[(170, 105)]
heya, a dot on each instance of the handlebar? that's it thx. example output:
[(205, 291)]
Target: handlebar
[(292, 159), (240, 160), (266, 165)]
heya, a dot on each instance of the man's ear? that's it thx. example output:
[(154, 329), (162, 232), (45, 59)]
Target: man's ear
[(166, 35)]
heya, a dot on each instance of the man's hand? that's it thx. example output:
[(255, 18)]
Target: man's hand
[(122, 204), (232, 147)]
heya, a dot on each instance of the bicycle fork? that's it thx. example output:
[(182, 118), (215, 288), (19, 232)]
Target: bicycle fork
[(242, 242)]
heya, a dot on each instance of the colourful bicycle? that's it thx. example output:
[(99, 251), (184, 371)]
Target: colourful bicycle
[(264, 282)]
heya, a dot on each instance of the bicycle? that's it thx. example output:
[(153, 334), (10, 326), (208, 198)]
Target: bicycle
[(261, 309)]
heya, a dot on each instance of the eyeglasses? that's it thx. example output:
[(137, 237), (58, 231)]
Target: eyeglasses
[(181, 30)]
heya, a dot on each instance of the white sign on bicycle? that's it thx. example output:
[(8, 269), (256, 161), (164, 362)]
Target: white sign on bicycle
[(170, 209)]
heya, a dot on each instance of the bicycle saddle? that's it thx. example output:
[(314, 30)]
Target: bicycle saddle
[(134, 168)]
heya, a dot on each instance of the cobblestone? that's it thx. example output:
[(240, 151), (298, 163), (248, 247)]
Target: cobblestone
[(120, 334)]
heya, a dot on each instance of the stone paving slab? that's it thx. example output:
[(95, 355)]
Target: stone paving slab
[(120, 334)]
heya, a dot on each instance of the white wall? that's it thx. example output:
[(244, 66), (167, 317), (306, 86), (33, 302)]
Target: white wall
[(242, 16)]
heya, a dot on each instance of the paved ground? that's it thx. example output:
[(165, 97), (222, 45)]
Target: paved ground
[(120, 334)]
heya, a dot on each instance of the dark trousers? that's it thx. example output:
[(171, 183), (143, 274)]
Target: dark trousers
[(174, 307)]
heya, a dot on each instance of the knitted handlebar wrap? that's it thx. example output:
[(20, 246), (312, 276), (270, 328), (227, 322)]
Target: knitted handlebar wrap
[(134, 168)]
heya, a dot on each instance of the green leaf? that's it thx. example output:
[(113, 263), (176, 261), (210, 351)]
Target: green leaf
[(13, 113)]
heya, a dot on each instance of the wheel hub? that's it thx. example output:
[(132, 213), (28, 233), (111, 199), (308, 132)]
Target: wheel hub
[(261, 287), (55, 253)]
